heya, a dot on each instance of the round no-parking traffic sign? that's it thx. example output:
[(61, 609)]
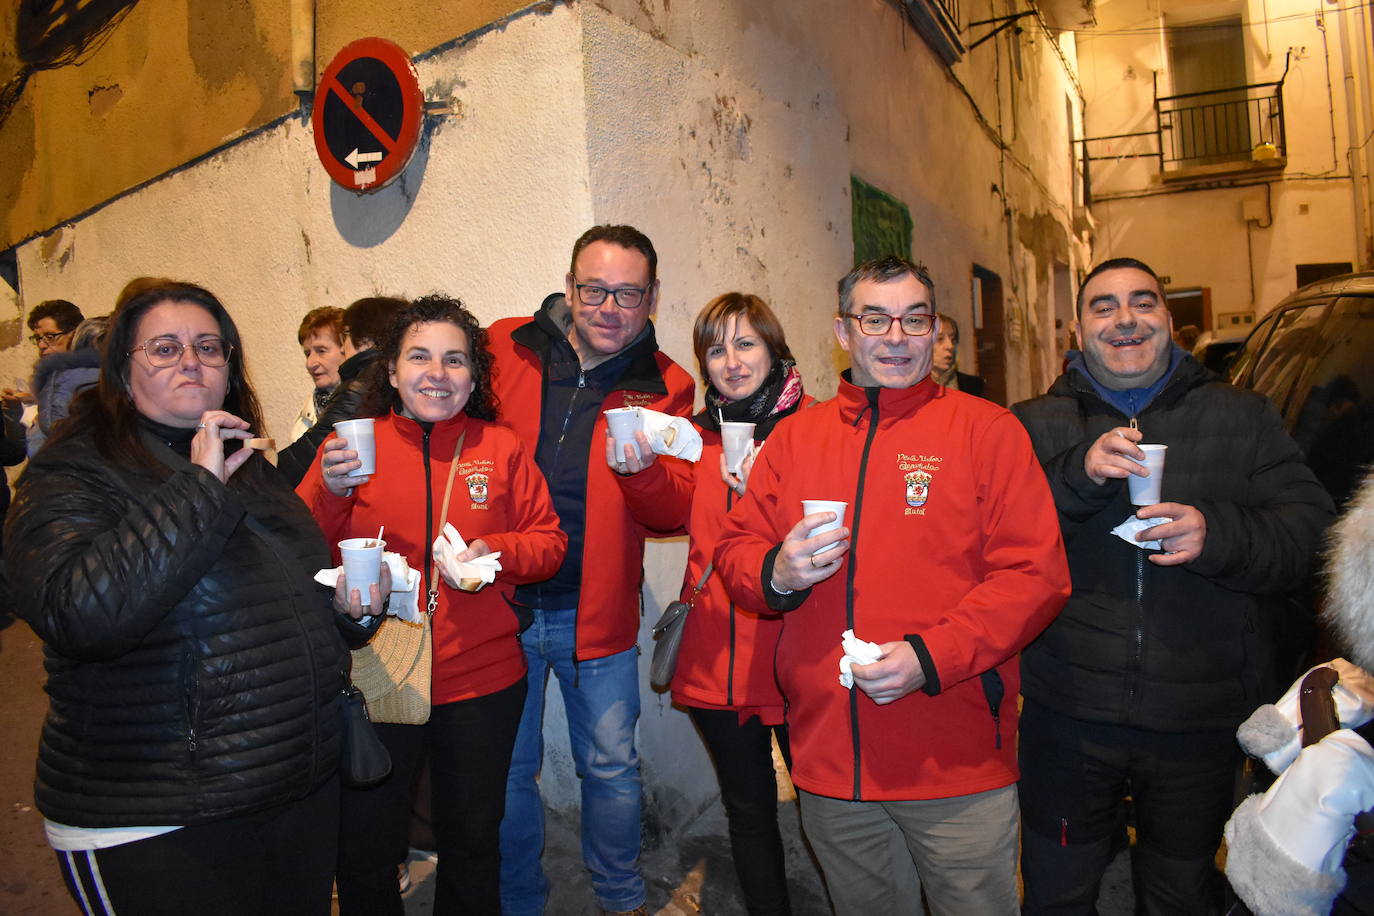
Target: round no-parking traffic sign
[(368, 109)]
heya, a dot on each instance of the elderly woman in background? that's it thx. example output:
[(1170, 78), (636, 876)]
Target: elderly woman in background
[(724, 674), (440, 457), (321, 336), (188, 761), (944, 364)]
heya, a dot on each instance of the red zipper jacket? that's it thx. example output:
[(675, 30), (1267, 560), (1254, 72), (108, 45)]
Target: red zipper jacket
[(618, 517), (498, 495), (726, 657), (955, 548)]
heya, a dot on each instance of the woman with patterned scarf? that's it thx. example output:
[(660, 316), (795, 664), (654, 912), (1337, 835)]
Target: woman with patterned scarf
[(724, 674)]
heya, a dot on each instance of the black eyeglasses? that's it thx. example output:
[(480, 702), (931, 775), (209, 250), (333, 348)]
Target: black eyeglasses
[(627, 297), (49, 338), (876, 324), (166, 351)]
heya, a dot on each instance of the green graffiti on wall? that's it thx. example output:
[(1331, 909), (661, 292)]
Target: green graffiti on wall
[(882, 223)]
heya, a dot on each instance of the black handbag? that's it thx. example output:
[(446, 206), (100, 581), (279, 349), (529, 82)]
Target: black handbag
[(668, 636), (364, 761)]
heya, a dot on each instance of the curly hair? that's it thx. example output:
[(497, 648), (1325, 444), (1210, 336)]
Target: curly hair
[(381, 397)]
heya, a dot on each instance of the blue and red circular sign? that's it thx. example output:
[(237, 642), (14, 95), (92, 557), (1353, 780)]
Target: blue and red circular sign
[(368, 110)]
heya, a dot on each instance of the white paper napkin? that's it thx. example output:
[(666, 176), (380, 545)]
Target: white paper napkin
[(1128, 529), (856, 652), (476, 573), (405, 586), (670, 435)]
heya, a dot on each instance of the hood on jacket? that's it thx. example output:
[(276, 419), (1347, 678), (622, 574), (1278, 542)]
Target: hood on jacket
[(49, 366), (1350, 577)]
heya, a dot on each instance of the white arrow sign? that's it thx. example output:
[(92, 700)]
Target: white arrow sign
[(355, 158)]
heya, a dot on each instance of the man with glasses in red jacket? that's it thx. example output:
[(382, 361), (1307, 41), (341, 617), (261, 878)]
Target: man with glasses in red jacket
[(949, 560), (588, 349)]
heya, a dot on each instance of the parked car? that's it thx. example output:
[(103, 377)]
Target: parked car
[(1215, 350), (1313, 355)]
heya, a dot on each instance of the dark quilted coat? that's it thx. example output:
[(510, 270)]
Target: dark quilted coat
[(194, 667), (1174, 648)]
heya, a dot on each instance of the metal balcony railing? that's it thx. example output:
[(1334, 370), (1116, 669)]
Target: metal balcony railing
[(1223, 125)]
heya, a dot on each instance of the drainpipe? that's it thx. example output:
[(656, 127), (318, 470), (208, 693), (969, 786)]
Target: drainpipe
[(1367, 127), (303, 48), (1352, 153)]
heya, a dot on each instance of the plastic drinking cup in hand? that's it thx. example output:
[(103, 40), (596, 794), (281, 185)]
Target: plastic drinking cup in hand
[(812, 506), (362, 563), (360, 437), (736, 439), (1145, 491), (624, 422)]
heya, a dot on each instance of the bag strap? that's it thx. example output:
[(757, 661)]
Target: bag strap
[(443, 517), (710, 567)]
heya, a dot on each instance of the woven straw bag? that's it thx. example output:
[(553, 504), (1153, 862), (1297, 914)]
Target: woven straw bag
[(394, 670)]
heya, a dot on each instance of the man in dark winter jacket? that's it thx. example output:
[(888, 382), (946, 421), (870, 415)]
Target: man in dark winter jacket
[(1137, 688)]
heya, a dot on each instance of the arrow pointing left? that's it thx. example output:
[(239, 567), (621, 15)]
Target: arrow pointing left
[(355, 158)]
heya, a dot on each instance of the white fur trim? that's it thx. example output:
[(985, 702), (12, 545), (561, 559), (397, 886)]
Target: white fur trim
[(1266, 877), (1350, 572)]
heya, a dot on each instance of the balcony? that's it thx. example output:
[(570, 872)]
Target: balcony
[(1222, 132), (1200, 137)]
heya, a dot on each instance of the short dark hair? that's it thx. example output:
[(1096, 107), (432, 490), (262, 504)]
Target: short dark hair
[(883, 270), (380, 397), (1115, 264), (625, 237), (108, 408), (325, 318), (65, 314), (367, 320), (711, 322)]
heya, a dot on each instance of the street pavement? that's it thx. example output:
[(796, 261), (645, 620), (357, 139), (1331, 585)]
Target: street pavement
[(687, 872)]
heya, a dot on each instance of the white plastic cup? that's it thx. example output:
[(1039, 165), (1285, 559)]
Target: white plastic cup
[(736, 439), (1145, 490), (362, 563), (362, 439), (812, 506), (624, 423)]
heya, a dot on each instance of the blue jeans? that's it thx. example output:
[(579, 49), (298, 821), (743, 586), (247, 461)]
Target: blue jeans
[(602, 701)]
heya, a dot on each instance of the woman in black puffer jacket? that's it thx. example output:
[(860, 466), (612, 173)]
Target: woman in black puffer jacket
[(188, 760)]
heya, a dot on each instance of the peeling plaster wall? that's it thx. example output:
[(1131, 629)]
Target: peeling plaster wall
[(1199, 237)]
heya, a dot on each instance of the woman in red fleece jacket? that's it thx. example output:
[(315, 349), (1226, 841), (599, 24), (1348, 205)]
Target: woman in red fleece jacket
[(724, 674), (432, 399)]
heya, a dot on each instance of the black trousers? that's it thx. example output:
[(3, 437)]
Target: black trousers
[(469, 745), (1074, 778), (269, 863), (743, 756)]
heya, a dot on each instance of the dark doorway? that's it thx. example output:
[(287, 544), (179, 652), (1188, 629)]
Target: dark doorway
[(989, 333)]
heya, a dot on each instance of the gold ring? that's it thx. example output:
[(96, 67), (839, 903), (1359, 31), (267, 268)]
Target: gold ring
[(813, 562)]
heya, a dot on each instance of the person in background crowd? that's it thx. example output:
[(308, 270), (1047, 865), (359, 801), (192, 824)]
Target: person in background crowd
[(724, 674), (52, 323), (321, 336), (364, 324), (430, 390), (588, 349), (59, 378), (949, 561), (188, 761), (1137, 688), (1186, 337), (945, 360)]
